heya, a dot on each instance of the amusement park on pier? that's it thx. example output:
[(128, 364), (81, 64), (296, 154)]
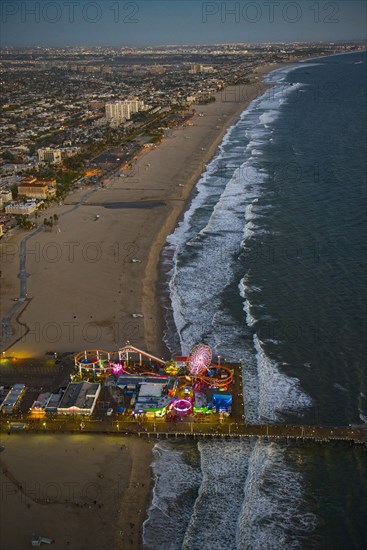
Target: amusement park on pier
[(132, 392), (143, 385), (127, 384)]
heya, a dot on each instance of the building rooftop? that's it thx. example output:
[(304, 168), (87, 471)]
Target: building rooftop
[(80, 395), (131, 380), (13, 396), (152, 390), (53, 402)]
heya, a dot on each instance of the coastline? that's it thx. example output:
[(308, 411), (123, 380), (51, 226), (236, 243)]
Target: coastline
[(151, 306), (62, 318), (135, 497), (89, 252)]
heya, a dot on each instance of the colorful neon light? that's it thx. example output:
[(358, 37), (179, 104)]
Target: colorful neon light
[(182, 406), (199, 359), (117, 368)]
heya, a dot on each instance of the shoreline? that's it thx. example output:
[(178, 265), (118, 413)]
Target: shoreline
[(174, 169), (154, 261), (87, 256), (132, 504)]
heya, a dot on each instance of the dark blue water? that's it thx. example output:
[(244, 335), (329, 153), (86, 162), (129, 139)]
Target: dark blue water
[(311, 263), (269, 268)]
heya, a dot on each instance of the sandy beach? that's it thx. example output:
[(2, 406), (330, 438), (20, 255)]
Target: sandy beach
[(82, 287), (84, 492), (82, 291)]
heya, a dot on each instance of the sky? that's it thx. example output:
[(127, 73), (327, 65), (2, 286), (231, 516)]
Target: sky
[(154, 22)]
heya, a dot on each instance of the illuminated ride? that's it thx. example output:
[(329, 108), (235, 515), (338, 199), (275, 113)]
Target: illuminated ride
[(182, 407), (198, 364), (101, 361), (199, 359), (171, 368), (222, 381)]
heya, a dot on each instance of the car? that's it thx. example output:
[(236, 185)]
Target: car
[(109, 412), (136, 315)]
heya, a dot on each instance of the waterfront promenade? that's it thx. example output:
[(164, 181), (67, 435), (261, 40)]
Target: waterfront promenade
[(193, 430)]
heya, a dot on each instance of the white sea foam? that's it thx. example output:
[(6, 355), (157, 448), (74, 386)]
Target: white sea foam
[(250, 320), (214, 519), (235, 507), (170, 510), (277, 392), (340, 387), (215, 245), (268, 116), (251, 497), (274, 514)]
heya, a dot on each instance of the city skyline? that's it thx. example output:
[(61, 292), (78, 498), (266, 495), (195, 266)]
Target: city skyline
[(144, 23)]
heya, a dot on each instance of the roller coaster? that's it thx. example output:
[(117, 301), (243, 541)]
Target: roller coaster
[(97, 360), (117, 362)]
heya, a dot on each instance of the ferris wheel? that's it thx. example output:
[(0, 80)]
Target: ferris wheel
[(199, 359)]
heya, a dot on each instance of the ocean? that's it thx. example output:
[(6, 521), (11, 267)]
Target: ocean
[(268, 267)]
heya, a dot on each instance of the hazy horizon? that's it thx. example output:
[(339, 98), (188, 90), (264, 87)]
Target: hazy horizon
[(162, 23)]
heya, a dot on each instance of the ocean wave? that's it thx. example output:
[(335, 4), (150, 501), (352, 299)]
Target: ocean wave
[(250, 320), (177, 479), (274, 513), (278, 393), (239, 495), (213, 523)]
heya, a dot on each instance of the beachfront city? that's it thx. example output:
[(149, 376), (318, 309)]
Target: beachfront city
[(182, 195)]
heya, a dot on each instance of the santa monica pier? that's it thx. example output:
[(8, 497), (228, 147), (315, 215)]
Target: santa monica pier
[(130, 391)]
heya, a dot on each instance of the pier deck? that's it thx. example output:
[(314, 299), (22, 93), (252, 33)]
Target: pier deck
[(206, 427), (199, 430)]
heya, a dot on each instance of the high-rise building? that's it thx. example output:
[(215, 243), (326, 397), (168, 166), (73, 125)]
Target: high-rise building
[(134, 106), (119, 111)]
